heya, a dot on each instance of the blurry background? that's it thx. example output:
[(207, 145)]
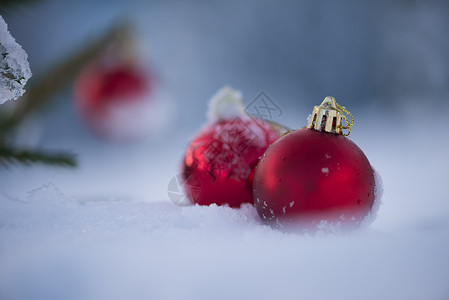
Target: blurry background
[(387, 61)]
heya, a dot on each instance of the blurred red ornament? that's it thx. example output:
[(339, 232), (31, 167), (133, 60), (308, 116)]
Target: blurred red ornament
[(110, 96), (220, 160), (315, 177)]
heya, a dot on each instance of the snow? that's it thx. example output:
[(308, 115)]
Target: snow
[(132, 120), (378, 195), (226, 104), (14, 67), (56, 247)]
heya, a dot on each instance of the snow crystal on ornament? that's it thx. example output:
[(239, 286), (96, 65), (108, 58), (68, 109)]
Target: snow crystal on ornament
[(378, 191), (14, 67), (226, 104)]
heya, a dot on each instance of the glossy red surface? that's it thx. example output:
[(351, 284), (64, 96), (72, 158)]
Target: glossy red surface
[(107, 96), (309, 177), (219, 162), (99, 86)]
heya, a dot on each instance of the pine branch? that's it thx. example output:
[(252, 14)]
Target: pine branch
[(41, 90), (5, 4), (10, 156)]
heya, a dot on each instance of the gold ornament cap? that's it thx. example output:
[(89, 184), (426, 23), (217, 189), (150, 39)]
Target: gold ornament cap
[(329, 116)]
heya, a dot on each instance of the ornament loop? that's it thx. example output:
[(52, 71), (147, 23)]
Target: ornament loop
[(328, 117)]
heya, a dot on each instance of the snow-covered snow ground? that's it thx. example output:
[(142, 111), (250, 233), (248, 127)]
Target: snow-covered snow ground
[(57, 249)]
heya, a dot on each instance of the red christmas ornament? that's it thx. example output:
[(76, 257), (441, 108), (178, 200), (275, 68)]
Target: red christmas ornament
[(111, 96), (316, 177), (219, 163)]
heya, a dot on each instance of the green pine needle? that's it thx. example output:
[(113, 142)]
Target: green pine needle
[(9, 156), (6, 5)]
